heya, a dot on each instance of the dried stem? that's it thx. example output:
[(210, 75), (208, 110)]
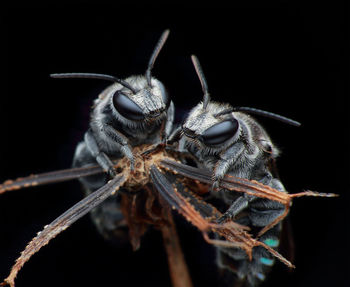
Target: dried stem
[(179, 273)]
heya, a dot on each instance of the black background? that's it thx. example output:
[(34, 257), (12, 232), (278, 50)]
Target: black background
[(288, 57)]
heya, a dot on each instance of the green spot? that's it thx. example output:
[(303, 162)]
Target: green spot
[(266, 261), (272, 242)]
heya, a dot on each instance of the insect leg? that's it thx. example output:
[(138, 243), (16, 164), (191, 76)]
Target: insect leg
[(119, 138), (201, 213), (228, 182), (268, 213), (269, 210), (175, 135), (63, 222), (194, 208), (264, 213), (101, 158), (278, 200), (107, 217), (228, 159), (236, 207)]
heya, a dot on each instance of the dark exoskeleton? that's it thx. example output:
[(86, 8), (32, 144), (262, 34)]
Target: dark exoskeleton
[(228, 141), (131, 112), (129, 165)]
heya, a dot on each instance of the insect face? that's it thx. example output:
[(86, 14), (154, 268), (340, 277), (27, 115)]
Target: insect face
[(210, 130), (147, 104), (127, 113)]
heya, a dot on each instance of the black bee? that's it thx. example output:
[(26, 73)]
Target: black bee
[(228, 141), (129, 165), (129, 113)]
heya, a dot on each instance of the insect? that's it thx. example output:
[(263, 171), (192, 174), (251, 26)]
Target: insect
[(131, 112), (139, 178), (228, 141)]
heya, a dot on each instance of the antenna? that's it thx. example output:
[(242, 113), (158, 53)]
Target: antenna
[(155, 53), (93, 76), (197, 66), (260, 113), (268, 115)]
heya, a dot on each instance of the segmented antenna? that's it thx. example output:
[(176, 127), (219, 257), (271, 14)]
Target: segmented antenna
[(197, 66), (154, 55), (269, 115), (94, 76), (260, 113)]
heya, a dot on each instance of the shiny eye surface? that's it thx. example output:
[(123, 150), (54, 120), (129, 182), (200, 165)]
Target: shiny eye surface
[(126, 107), (220, 132)]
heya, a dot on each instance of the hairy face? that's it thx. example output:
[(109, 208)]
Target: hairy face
[(208, 127), (152, 100)]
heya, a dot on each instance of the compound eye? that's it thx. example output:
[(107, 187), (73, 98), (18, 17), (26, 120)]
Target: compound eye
[(126, 107), (220, 133)]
